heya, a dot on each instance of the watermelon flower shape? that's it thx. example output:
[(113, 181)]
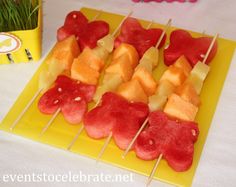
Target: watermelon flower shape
[(68, 95), (116, 115), (194, 49), (173, 139), (87, 33), (142, 39)]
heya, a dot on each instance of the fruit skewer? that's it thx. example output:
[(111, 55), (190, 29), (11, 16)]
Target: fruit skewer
[(97, 92), (142, 60), (46, 79), (106, 45), (193, 70)]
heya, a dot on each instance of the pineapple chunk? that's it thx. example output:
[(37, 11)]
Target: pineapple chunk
[(55, 68), (152, 54), (196, 82), (179, 108), (101, 53), (112, 80), (156, 102), (174, 75), (183, 64), (165, 88), (201, 70), (132, 91), (107, 42), (100, 91), (146, 63), (46, 79), (188, 93), (122, 67)]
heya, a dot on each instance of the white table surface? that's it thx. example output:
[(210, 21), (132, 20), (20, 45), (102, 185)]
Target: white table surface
[(218, 160)]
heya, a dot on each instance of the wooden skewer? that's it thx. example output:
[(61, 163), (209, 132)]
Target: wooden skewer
[(25, 109), (210, 48), (59, 110), (145, 122), (154, 170), (104, 147), (97, 103), (161, 155), (110, 136)]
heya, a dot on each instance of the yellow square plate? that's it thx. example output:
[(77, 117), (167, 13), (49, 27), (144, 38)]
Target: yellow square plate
[(61, 133)]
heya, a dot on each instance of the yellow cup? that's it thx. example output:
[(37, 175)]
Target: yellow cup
[(27, 44)]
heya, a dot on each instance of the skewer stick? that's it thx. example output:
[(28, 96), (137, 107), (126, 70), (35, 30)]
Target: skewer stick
[(154, 170), (50, 121), (161, 155), (58, 111), (118, 28), (210, 48), (135, 137), (25, 109), (110, 135), (145, 122), (164, 32), (97, 103), (104, 147)]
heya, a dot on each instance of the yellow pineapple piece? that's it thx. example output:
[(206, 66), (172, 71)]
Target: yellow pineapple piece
[(145, 63), (152, 54), (101, 53), (107, 42), (100, 91), (201, 70), (177, 107), (132, 91), (196, 82), (156, 102), (165, 88), (112, 80), (46, 79)]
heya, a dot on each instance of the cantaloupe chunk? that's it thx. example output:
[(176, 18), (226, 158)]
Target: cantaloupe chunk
[(201, 70), (107, 42), (152, 54), (90, 57), (183, 64), (146, 80), (174, 75), (165, 88), (188, 93), (83, 72), (156, 102), (128, 50), (196, 82), (132, 91), (65, 51), (121, 66), (177, 107), (146, 63)]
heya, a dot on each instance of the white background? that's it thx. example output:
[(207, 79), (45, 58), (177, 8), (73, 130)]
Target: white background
[(218, 160)]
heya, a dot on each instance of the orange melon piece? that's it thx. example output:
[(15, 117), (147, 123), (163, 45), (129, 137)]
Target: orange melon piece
[(132, 91), (174, 75), (183, 64), (130, 51), (178, 108), (188, 93), (121, 66), (89, 57), (65, 51), (84, 73), (146, 80)]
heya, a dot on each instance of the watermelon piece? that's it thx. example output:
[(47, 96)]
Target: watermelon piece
[(194, 49), (115, 115), (68, 95), (174, 139), (142, 39)]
